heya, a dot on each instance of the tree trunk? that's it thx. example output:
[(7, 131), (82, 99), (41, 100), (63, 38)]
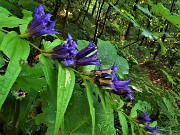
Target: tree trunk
[(67, 10), (126, 36), (86, 11), (98, 21)]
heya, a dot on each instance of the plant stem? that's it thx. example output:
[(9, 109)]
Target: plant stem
[(4, 30), (36, 47)]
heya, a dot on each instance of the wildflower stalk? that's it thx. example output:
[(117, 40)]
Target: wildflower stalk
[(34, 46)]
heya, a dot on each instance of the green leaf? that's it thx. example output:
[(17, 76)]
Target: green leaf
[(50, 45), (82, 44), (2, 34), (10, 21), (28, 4), (2, 62), (123, 123), (163, 48), (90, 101), (31, 78), (11, 7), (48, 116), (160, 10), (107, 55), (15, 49), (145, 10), (27, 17), (66, 81), (104, 121), (132, 128), (4, 10), (77, 117), (50, 74), (133, 112), (170, 79)]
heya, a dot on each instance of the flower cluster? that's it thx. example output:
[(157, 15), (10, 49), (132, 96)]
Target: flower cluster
[(145, 120), (67, 52), (40, 24), (106, 77)]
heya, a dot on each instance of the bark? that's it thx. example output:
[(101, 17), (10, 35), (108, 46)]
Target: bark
[(98, 21), (67, 10), (55, 12), (86, 11), (130, 24), (106, 18)]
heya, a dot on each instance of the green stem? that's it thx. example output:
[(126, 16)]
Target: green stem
[(4, 30), (36, 47)]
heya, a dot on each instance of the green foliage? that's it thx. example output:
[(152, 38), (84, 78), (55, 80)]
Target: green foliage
[(160, 10), (123, 122), (8, 20), (65, 87), (108, 53), (65, 100), (15, 49)]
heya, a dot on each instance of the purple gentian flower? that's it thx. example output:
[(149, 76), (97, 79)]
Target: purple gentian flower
[(105, 77), (153, 130), (65, 52), (40, 24), (144, 118), (121, 88), (82, 58)]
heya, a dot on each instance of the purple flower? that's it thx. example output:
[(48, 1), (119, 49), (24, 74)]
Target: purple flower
[(40, 24), (105, 77), (153, 130), (144, 118), (121, 88), (65, 52), (83, 59)]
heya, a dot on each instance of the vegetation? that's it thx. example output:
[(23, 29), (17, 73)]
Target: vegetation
[(100, 67)]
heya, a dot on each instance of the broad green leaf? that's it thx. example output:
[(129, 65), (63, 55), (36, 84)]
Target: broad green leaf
[(50, 45), (27, 17), (10, 21), (15, 49), (26, 106), (133, 112), (108, 56), (2, 62), (77, 119), (48, 116), (31, 78), (2, 34), (162, 11), (82, 44), (66, 81), (123, 122), (104, 121), (91, 106), (4, 10), (145, 10), (132, 128), (50, 74)]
